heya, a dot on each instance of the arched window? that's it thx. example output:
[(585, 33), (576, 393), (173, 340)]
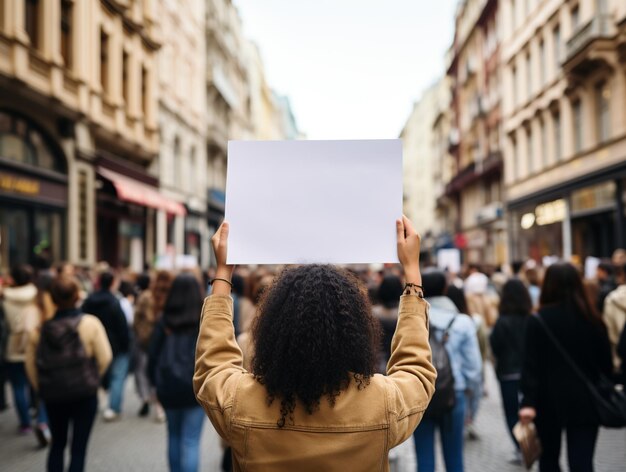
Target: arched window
[(23, 142)]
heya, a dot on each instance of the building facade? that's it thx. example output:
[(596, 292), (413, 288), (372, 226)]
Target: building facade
[(78, 131), (476, 186), (182, 165), (420, 162), (565, 125)]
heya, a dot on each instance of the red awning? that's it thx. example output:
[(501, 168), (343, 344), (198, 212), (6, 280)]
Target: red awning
[(130, 190)]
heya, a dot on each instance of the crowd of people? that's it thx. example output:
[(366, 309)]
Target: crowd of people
[(113, 324)]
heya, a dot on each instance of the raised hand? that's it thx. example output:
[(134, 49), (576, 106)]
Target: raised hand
[(409, 243)]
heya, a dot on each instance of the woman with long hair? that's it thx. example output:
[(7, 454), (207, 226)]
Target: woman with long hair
[(312, 400), (553, 395), (171, 366), (507, 346)]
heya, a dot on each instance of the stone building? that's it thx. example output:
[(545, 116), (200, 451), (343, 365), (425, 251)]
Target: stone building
[(78, 131), (476, 188), (564, 107)]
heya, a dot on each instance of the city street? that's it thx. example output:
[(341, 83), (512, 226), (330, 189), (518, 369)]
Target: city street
[(138, 444)]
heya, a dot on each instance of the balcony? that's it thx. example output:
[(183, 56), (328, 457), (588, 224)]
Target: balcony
[(475, 170), (591, 46), (489, 213)]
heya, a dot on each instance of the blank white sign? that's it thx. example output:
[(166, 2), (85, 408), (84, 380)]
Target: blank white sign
[(299, 202)]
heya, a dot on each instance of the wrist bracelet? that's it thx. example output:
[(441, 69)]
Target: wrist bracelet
[(413, 288), (409, 284), (223, 280)]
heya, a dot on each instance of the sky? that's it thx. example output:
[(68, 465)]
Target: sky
[(351, 68)]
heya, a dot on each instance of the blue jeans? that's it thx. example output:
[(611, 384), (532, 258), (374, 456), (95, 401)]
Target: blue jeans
[(184, 428), (118, 373), (451, 431), (21, 395)]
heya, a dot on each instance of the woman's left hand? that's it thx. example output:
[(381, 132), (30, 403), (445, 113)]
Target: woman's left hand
[(219, 241)]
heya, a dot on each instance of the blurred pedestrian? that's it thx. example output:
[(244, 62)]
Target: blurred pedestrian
[(554, 396), (106, 307), (64, 364), (148, 311), (313, 401), (171, 366), (507, 346), (3, 372), (127, 300), (458, 332), (605, 275), (534, 286), (388, 294), (621, 352), (614, 314), (22, 318)]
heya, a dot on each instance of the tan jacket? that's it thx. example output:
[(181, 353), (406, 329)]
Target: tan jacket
[(22, 317), (353, 435), (614, 315), (94, 339)]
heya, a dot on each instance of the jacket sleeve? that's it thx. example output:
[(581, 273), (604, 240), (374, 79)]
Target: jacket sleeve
[(219, 362), (30, 363), (410, 373), (530, 366), (495, 339), (121, 327), (471, 360), (154, 350), (101, 346)]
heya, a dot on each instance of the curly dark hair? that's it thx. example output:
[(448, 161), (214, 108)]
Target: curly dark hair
[(313, 334)]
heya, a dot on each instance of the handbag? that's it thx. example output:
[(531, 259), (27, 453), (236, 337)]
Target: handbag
[(608, 399), (529, 444)]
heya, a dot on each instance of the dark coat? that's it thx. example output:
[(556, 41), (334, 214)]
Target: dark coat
[(507, 345), (106, 307), (621, 352), (548, 383)]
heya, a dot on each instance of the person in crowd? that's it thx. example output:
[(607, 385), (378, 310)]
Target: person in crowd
[(614, 314), (313, 400), (127, 300), (171, 367), (476, 287), (618, 258), (148, 312), (507, 346), (22, 318), (106, 307), (606, 282), (534, 286), (621, 352), (464, 353), (457, 295), (69, 402), (388, 294), (553, 396)]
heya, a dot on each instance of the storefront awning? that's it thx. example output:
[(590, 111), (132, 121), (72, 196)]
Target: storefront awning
[(132, 191)]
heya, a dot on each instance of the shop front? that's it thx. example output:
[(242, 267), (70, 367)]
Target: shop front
[(127, 202), (582, 220), (33, 194)]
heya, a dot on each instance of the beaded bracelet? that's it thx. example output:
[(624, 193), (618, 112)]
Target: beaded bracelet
[(223, 280), (413, 288)]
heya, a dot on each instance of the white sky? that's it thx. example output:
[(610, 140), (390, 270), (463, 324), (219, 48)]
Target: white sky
[(352, 68)]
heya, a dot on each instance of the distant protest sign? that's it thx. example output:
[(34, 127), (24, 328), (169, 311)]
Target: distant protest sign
[(295, 202)]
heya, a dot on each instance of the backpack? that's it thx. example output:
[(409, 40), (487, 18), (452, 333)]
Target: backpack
[(174, 370), (64, 370), (444, 398)]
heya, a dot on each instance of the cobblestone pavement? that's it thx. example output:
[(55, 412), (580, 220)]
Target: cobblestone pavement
[(139, 444)]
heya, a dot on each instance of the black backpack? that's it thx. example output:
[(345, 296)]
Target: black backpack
[(64, 370), (175, 368), (444, 398)]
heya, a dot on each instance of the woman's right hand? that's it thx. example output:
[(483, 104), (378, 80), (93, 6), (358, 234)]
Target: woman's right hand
[(527, 414), (409, 250)]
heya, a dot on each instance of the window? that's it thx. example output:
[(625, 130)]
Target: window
[(603, 109), (191, 178), (144, 91), (176, 163), (529, 83), (514, 151), (104, 61), (66, 32), (556, 37), (125, 70), (577, 110), (556, 124), (529, 149), (575, 18), (542, 62), (31, 22), (23, 142)]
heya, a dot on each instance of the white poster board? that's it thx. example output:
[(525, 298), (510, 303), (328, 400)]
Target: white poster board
[(449, 259), (295, 202)]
